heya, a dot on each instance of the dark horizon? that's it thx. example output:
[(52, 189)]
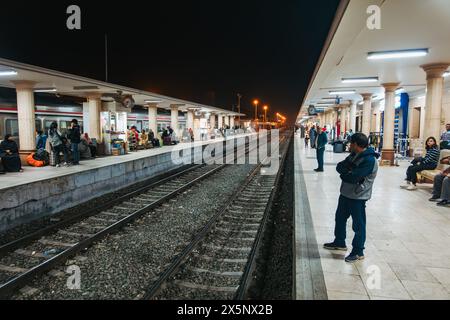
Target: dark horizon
[(202, 52)]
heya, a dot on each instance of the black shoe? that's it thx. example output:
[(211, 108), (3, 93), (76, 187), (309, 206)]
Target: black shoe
[(333, 246), (443, 203), (434, 199), (318, 170), (353, 257)]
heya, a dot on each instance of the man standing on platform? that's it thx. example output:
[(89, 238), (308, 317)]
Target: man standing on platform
[(358, 172), (321, 142), (312, 136), (75, 139)]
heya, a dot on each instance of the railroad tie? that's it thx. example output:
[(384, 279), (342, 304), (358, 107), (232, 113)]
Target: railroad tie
[(195, 286), (9, 269), (56, 243)]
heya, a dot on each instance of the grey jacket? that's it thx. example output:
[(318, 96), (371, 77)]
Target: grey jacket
[(358, 173)]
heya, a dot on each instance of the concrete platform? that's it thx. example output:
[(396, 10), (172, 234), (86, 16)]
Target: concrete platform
[(407, 237), (39, 192)]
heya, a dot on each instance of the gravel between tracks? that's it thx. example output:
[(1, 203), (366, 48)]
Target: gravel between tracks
[(24, 229), (123, 265)]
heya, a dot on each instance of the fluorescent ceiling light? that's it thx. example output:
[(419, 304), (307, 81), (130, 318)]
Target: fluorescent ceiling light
[(446, 74), (357, 80), (152, 101), (333, 93), (5, 73), (360, 103), (45, 90), (395, 54)]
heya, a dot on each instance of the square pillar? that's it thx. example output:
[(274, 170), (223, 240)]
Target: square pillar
[(26, 118)]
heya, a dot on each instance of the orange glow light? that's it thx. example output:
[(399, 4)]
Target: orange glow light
[(256, 102)]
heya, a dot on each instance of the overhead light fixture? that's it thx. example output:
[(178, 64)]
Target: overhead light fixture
[(360, 103), (7, 73), (152, 101), (344, 92), (359, 80), (43, 90), (446, 74), (396, 54), (325, 103)]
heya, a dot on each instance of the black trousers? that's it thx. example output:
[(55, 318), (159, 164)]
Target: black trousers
[(411, 173)]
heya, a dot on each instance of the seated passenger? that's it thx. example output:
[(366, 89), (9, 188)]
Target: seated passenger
[(429, 162), (41, 140), (9, 153), (445, 137), (91, 144), (143, 141), (441, 185)]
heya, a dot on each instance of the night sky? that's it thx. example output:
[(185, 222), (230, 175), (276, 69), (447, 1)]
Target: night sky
[(202, 51)]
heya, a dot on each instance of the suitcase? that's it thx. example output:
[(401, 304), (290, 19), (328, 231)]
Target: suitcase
[(52, 158)]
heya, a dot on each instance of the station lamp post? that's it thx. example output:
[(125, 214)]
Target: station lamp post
[(256, 102), (265, 113)]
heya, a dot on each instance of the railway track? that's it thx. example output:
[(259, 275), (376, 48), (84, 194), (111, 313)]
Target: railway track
[(219, 262), (24, 259)]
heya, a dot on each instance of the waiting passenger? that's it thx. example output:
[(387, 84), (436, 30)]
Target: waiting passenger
[(320, 143), (441, 185), (429, 162), (9, 153), (57, 145), (75, 139), (357, 172), (91, 145), (41, 140), (445, 137), (143, 141)]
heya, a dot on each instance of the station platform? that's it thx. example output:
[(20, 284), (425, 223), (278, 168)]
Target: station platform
[(39, 192), (407, 237)]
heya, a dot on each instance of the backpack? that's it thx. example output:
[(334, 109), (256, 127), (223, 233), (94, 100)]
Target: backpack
[(42, 155)]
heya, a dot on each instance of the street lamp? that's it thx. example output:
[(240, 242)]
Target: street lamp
[(265, 113), (256, 102)]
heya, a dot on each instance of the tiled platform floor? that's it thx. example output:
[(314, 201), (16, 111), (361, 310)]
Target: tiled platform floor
[(407, 236)]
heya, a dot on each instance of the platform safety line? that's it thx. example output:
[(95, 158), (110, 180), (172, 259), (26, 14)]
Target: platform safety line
[(309, 282)]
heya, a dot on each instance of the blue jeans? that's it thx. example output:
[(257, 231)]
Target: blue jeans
[(75, 153), (320, 154), (357, 210)]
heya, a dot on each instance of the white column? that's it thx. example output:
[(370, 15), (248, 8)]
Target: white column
[(219, 121), (174, 119), (352, 120), (367, 113), (26, 116), (231, 122), (212, 121), (152, 118), (227, 121), (94, 108), (377, 117), (423, 112), (344, 125), (435, 86), (190, 120), (86, 117), (388, 151)]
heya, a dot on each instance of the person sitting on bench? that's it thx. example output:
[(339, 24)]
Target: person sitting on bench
[(441, 185)]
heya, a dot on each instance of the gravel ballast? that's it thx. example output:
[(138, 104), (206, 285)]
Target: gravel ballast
[(124, 265)]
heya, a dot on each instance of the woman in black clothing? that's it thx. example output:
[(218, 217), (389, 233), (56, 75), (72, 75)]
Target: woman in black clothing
[(9, 152), (429, 162)]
